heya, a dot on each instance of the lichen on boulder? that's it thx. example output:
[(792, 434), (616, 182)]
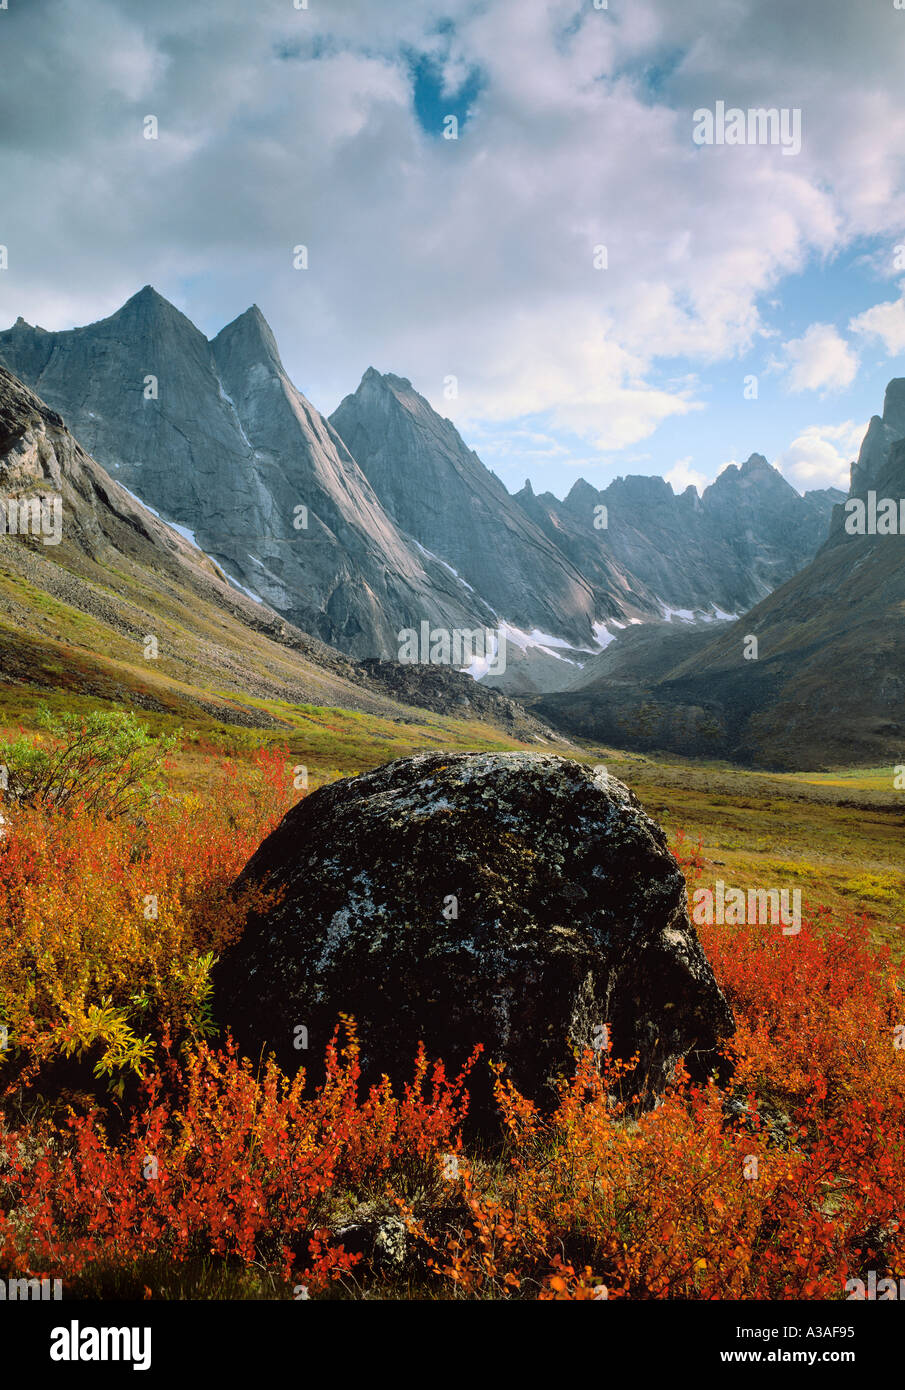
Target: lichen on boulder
[(522, 901)]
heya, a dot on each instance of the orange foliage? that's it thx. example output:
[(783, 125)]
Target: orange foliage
[(780, 1184), (108, 928), (689, 1201), (220, 1162)]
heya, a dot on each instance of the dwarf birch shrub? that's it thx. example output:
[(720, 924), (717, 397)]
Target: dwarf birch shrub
[(106, 762)]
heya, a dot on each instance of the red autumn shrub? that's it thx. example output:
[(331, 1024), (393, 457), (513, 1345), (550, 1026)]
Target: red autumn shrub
[(220, 1162)]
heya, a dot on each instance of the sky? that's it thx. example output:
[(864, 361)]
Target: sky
[(473, 265)]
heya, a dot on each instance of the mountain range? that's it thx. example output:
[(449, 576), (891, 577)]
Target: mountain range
[(381, 518), (113, 604), (275, 553), (824, 682), (216, 438), (722, 551)]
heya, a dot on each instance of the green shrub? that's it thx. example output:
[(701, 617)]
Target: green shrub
[(106, 761)]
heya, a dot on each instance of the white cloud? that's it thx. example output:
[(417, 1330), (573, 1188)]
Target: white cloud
[(681, 476), (821, 360), (821, 456), (559, 365), (469, 257), (886, 322)]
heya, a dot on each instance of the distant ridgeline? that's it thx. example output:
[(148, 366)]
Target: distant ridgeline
[(812, 676)]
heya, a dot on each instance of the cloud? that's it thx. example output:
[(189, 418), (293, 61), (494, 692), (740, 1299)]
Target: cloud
[(884, 321), (681, 476), (821, 360), (433, 257), (821, 456)]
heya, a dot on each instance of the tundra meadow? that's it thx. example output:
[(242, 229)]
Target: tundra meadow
[(144, 1157)]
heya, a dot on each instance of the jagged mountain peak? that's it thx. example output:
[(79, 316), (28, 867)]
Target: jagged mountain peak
[(894, 404), (581, 494), (145, 300), (642, 487), (390, 380), (756, 477), (148, 314), (249, 337), (882, 432), (439, 491), (381, 393), (754, 463)]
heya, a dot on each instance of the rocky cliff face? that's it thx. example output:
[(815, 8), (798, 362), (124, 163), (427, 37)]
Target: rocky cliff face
[(748, 533), (621, 596), (439, 491), (99, 520), (77, 606), (870, 472), (882, 432), (216, 438), (87, 574)]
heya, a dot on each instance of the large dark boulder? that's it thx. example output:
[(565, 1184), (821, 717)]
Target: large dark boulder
[(517, 900)]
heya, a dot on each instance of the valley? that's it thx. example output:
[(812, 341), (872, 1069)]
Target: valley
[(544, 876)]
